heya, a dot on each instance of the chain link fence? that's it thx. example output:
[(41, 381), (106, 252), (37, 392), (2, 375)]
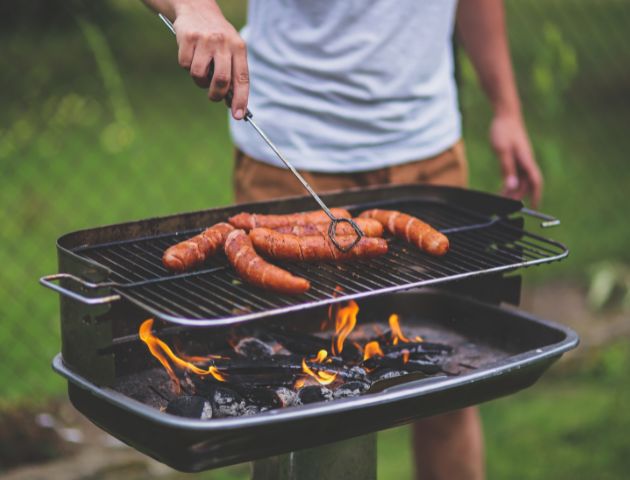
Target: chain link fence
[(98, 125)]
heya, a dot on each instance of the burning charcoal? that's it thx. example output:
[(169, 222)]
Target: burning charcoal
[(312, 394), (287, 396), (202, 386), (227, 402), (385, 373), (251, 410), (266, 380), (304, 344), (417, 348), (280, 370), (253, 348), (262, 398), (425, 366), (190, 407), (350, 389), (357, 373)]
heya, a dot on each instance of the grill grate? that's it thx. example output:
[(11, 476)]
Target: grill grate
[(215, 295)]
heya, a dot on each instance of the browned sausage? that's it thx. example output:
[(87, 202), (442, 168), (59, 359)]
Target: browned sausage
[(369, 226), (284, 246), (247, 221), (194, 251), (412, 229), (253, 269)]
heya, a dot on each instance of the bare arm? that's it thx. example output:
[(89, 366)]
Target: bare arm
[(204, 36), (481, 26)]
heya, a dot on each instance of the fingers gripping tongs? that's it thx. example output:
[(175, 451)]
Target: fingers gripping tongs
[(332, 229)]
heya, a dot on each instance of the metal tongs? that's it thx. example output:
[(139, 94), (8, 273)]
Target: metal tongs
[(332, 229)]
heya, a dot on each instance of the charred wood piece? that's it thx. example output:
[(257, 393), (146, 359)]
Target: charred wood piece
[(262, 398), (312, 394), (417, 348), (282, 367), (305, 344), (424, 366)]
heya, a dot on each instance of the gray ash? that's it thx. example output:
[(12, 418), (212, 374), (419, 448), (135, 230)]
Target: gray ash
[(251, 347), (287, 396), (350, 389), (227, 403), (251, 410), (385, 373)]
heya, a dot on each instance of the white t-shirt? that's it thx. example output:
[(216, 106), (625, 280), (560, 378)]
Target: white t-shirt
[(350, 85)]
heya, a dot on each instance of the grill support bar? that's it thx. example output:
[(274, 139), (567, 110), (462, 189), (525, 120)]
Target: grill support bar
[(353, 459)]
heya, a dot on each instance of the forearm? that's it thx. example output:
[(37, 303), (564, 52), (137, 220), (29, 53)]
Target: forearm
[(206, 40), (482, 30), (170, 8)]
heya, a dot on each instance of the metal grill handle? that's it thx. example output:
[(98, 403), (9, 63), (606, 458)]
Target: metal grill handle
[(547, 220), (47, 281)]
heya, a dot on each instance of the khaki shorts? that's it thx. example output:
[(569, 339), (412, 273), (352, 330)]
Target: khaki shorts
[(257, 181)]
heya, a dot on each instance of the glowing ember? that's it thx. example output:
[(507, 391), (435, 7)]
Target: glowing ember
[(372, 349), (197, 358), (405, 356), (322, 377), (163, 353), (394, 325), (345, 321)]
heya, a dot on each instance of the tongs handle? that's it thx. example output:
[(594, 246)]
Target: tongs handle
[(332, 230)]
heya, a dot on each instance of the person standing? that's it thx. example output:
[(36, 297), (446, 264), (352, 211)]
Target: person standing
[(357, 93)]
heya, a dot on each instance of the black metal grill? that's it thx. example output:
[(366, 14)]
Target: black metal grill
[(215, 296)]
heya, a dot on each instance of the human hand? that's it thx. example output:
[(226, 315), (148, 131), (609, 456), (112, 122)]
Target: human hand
[(521, 175), (205, 36)]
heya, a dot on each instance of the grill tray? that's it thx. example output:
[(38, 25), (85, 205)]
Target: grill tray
[(524, 347), (483, 240)]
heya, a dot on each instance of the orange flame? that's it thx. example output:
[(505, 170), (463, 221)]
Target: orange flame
[(163, 353), (322, 377), (397, 334), (326, 322), (405, 356), (345, 321), (372, 349), (197, 358)]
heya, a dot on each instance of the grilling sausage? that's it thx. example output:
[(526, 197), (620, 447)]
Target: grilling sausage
[(412, 229), (248, 221), (284, 246), (253, 269), (196, 250), (369, 227)]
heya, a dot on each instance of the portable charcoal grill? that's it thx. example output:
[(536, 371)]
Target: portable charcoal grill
[(113, 279)]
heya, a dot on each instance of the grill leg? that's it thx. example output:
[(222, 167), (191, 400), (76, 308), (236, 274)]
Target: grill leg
[(353, 459)]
